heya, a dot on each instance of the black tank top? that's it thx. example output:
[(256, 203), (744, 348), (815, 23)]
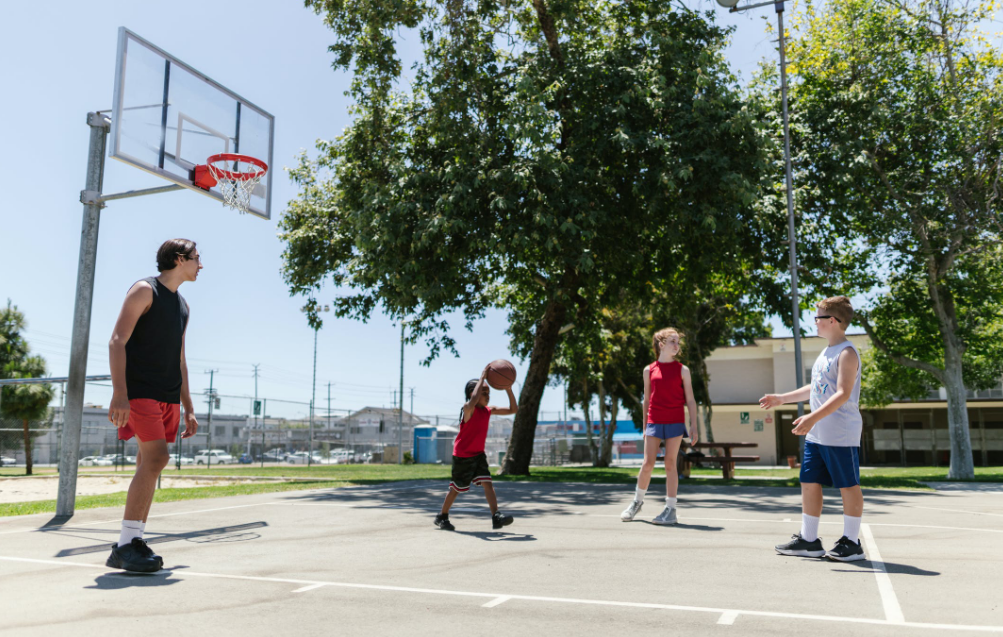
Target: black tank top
[(153, 353)]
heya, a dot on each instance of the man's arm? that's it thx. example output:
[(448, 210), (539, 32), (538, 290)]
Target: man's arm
[(513, 405), (191, 424), (646, 376), (137, 302), (846, 378)]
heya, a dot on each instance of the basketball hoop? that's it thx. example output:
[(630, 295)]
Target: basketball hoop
[(236, 175)]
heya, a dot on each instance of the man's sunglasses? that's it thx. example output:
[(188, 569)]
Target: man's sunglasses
[(825, 316)]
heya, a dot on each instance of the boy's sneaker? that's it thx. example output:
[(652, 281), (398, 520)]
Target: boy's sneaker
[(666, 517), (800, 547), (846, 550), (499, 519), (146, 551), (442, 521), (134, 556), (629, 513)]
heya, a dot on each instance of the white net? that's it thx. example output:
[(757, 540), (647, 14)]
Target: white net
[(237, 179)]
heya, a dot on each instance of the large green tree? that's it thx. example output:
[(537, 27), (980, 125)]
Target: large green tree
[(542, 152), (28, 404), (898, 106)]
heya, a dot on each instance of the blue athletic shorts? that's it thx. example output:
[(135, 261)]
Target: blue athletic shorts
[(665, 431), (831, 466)]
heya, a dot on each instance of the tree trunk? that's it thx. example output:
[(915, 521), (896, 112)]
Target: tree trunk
[(701, 392), (599, 458), (593, 453), (607, 442), (27, 449), (520, 445), (962, 466)]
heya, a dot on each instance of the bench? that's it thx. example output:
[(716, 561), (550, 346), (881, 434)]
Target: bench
[(727, 460)]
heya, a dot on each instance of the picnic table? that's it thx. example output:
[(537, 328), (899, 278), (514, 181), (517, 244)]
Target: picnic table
[(726, 460)]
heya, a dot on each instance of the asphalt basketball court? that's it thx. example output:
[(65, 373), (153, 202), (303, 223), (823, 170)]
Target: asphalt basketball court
[(368, 560)]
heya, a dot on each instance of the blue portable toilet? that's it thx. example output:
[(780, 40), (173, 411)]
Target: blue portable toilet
[(425, 445)]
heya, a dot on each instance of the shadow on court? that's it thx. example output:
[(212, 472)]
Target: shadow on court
[(866, 566), (124, 580), (235, 533), (495, 536)]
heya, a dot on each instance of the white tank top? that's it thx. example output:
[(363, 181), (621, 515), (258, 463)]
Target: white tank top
[(843, 427)]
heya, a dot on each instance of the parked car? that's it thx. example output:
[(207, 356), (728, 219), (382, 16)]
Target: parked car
[(119, 460), (7, 461), (184, 460), (214, 456), (275, 455), (362, 458), (94, 461), (245, 458), (302, 457), (339, 457)]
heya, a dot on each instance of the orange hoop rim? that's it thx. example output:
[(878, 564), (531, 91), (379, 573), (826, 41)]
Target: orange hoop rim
[(234, 176)]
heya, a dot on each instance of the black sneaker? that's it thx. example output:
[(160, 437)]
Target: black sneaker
[(499, 519), (145, 550), (800, 547), (846, 550), (132, 557), (442, 521)]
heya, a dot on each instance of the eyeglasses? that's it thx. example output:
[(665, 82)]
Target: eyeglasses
[(825, 316), (197, 257)]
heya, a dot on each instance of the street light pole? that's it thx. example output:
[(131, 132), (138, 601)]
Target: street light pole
[(791, 232)]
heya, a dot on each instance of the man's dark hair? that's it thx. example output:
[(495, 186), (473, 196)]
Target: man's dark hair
[(170, 250)]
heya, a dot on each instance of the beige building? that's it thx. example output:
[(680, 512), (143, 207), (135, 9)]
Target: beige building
[(903, 433)]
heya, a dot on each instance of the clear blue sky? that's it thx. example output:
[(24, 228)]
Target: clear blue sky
[(57, 68)]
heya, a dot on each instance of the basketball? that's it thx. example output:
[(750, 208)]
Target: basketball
[(501, 374)]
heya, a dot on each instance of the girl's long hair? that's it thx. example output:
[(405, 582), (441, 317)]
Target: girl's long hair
[(663, 335)]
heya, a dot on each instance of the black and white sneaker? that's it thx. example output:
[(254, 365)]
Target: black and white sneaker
[(146, 551), (846, 550), (442, 521), (800, 547), (134, 556), (499, 519)]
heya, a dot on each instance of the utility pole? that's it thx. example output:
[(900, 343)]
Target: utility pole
[(264, 423), (256, 409), (208, 459), (400, 413)]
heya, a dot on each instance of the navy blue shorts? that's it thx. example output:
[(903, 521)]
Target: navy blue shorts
[(665, 431), (831, 466)]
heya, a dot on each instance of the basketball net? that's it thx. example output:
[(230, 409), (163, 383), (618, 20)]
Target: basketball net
[(237, 177)]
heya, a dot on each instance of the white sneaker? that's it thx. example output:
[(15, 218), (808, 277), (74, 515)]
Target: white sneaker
[(629, 513), (666, 517)]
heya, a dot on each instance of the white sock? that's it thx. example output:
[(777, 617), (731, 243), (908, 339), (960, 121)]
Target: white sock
[(670, 502), (809, 527), (639, 494), (851, 528), (130, 529)]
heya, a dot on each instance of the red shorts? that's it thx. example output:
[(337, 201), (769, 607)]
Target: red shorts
[(151, 420)]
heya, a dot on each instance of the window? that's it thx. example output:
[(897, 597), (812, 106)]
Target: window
[(236, 432), (220, 430)]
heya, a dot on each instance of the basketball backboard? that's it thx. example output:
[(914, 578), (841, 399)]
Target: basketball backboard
[(168, 118)]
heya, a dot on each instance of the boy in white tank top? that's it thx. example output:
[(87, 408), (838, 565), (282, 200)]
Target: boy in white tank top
[(832, 436)]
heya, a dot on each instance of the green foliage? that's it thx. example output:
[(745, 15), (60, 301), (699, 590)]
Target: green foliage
[(21, 402), (508, 174)]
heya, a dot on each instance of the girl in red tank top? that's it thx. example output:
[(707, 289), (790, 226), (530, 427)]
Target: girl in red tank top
[(667, 390)]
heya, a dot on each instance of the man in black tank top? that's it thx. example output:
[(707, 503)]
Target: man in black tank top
[(150, 383)]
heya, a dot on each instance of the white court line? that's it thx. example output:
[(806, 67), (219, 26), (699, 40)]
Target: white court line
[(916, 506), (893, 611), (183, 574), (308, 588), (727, 618), (496, 601)]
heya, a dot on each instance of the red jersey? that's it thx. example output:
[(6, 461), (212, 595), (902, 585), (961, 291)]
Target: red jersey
[(470, 441), (667, 395)]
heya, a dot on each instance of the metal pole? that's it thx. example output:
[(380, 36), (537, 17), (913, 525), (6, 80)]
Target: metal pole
[(400, 413), (313, 398), (70, 444), (264, 423), (208, 440), (791, 233), (255, 407)]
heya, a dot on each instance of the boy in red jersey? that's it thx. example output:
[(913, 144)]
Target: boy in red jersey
[(668, 387), (470, 464)]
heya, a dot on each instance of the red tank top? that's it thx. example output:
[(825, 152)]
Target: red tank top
[(470, 441), (667, 395)]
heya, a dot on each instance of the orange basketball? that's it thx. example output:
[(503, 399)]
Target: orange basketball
[(501, 374)]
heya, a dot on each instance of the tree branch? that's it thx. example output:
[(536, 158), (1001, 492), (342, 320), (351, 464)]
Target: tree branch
[(549, 31), (905, 361), (630, 393)]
